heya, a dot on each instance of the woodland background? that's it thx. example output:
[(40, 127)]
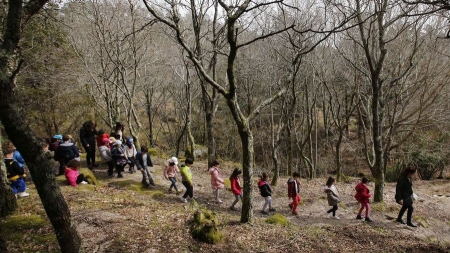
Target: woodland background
[(312, 86)]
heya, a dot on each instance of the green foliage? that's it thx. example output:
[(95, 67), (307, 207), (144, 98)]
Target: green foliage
[(278, 219), (428, 163), (153, 152), (227, 183), (204, 227)]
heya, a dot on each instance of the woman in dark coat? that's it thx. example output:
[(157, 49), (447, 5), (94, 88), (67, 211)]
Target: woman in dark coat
[(87, 137), (404, 195)]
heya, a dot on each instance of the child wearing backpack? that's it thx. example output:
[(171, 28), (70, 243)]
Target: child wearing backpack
[(143, 161), (14, 172), (266, 192), (236, 187), (362, 196), (294, 192)]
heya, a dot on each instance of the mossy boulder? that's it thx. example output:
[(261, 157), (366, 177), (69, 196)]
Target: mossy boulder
[(278, 219), (90, 177), (204, 227)]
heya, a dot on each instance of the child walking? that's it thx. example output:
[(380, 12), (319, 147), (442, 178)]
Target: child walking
[(266, 192), (236, 187), (72, 174), (143, 161), (170, 172), (332, 197), (363, 195), (216, 180), (14, 172), (294, 192), (186, 179)]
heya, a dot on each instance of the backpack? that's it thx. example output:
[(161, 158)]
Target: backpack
[(67, 153)]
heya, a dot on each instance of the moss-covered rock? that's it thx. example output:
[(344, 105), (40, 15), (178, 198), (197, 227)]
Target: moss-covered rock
[(90, 177), (204, 227), (278, 219)]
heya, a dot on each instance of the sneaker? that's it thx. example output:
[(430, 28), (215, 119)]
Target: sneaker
[(84, 182), (400, 221), (232, 208), (184, 200), (291, 206), (218, 201), (409, 224), (120, 176), (272, 209), (264, 212), (170, 190), (358, 217), (336, 217), (368, 219), (295, 213), (23, 194), (327, 215)]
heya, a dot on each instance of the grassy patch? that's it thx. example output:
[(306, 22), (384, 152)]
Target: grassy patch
[(29, 233), (277, 219)]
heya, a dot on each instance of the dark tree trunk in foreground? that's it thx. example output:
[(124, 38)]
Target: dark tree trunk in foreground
[(19, 132)]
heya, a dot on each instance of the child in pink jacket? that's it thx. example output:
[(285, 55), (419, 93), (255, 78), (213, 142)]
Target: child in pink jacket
[(363, 195), (73, 177), (216, 180), (170, 172)]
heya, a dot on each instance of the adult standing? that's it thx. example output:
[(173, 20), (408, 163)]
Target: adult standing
[(87, 137), (404, 195)]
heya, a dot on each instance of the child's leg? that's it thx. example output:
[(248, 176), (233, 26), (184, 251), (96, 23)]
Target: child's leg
[(295, 201), (186, 185), (266, 203), (150, 178), (174, 185), (216, 194), (110, 167), (22, 185), (80, 178), (361, 209), (190, 191), (335, 208), (236, 199), (367, 209)]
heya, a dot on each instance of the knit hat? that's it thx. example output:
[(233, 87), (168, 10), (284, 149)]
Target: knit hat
[(117, 142), (106, 140), (58, 136)]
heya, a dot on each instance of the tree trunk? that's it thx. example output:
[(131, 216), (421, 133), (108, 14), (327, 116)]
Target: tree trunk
[(247, 171), (20, 134), (3, 246), (8, 202), (338, 155)]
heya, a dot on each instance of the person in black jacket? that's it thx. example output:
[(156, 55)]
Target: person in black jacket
[(66, 152), (266, 192), (404, 195), (87, 137)]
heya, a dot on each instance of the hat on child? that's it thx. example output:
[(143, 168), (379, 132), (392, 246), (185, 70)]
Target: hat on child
[(112, 139), (58, 136), (106, 140), (173, 160), (117, 142)]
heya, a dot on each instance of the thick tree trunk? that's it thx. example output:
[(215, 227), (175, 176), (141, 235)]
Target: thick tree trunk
[(8, 202), (3, 246), (40, 169), (338, 155), (210, 116), (247, 171)]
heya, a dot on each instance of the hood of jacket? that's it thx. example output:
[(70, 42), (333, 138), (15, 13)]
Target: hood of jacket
[(360, 187), (66, 144), (261, 183)]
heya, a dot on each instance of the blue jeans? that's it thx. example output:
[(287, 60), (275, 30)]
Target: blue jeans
[(174, 183), (18, 185)]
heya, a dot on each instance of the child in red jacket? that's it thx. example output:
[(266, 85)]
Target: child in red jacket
[(236, 187), (363, 195), (294, 192)]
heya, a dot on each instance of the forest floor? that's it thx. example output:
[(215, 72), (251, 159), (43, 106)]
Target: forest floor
[(119, 215)]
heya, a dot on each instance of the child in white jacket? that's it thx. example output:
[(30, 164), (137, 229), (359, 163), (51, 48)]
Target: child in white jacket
[(332, 197)]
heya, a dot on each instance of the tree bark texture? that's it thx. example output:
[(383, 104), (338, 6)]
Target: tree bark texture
[(19, 132)]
